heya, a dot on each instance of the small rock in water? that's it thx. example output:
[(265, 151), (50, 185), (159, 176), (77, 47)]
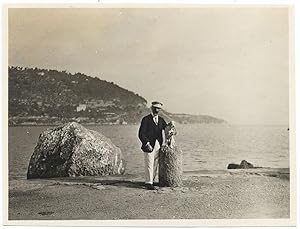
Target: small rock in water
[(232, 166), (243, 165)]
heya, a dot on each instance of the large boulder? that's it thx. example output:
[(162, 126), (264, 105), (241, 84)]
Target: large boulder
[(72, 150)]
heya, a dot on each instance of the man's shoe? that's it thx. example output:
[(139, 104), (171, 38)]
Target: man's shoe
[(150, 187)]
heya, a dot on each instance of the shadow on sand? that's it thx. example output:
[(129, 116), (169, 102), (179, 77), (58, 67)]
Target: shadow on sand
[(124, 183), (99, 181)]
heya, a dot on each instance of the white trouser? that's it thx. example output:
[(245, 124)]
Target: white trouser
[(151, 163)]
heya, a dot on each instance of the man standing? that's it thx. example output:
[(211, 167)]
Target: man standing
[(151, 136)]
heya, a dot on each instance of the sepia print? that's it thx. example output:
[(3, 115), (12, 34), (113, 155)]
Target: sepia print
[(118, 115)]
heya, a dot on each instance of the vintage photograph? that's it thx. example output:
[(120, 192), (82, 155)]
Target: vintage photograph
[(149, 113)]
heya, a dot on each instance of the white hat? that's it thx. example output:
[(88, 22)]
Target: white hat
[(157, 104)]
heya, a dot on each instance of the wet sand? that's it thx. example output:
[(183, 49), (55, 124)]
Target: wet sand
[(228, 194)]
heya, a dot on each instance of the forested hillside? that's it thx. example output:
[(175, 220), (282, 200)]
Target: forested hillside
[(38, 95), (51, 97)]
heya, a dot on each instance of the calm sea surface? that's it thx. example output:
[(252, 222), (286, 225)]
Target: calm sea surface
[(205, 147)]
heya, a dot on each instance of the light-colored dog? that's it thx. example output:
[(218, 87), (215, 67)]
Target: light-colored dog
[(170, 132)]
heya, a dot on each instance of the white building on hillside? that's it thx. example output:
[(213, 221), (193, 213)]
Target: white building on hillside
[(81, 107)]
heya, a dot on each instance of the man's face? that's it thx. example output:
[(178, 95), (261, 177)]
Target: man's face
[(155, 110)]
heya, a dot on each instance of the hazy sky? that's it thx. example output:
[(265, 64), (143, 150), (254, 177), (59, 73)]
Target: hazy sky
[(230, 63)]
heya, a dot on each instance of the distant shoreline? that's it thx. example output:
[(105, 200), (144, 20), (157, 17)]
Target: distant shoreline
[(133, 124), (84, 124)]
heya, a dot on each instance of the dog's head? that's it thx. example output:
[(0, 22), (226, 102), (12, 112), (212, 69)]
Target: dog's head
[(170, 129)]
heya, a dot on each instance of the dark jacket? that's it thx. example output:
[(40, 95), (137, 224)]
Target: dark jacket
[(149, 131)]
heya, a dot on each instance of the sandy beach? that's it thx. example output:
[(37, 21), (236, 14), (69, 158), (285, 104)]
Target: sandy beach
[(220, 194)]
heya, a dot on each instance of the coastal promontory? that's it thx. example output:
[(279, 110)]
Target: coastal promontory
[(51, 97)]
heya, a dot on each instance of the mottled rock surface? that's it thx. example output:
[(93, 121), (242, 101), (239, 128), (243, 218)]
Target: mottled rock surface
[(72, 150), (170, 166), (170, 159), (243, 165)]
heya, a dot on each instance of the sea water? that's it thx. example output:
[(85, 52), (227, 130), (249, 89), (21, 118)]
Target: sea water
[(204, 146)]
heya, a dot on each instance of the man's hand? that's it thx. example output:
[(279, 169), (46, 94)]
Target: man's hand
[(149, 147)]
